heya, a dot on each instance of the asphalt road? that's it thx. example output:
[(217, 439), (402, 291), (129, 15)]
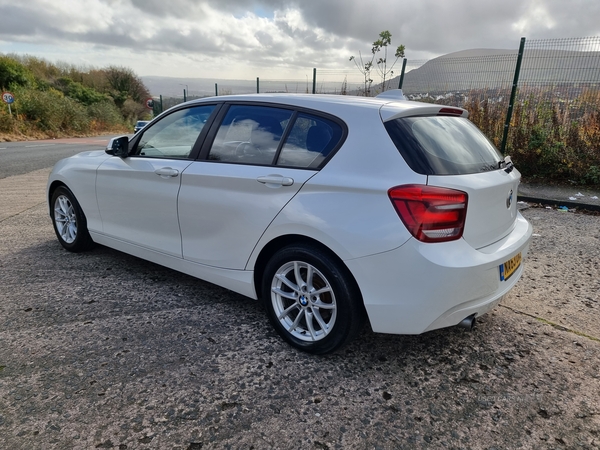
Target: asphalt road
[(101, 350), (17, 158)]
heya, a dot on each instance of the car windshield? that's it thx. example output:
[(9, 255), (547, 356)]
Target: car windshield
[(443, 145)]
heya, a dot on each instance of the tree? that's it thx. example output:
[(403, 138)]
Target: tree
[(385, 39), (366, 66), (125, 84), (365, 69)]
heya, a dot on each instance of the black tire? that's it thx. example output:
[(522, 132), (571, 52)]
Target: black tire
[(69, 221), (317, 315)]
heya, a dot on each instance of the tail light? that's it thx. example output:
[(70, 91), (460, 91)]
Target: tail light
[(431, 214)]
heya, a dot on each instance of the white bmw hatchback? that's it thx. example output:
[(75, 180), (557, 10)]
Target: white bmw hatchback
[(331, 209)]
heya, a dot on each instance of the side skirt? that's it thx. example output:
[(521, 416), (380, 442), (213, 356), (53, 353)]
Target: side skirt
[(240, 281)]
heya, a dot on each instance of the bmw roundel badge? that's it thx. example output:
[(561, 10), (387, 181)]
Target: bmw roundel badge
[(509, 199)]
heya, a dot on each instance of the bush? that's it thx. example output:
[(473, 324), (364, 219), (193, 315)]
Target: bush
[(104, 116), (7, 122), (551, 136), (13, 74), (79, 92)]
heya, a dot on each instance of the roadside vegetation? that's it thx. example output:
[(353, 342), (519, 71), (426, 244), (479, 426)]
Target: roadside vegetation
[(549, 139), (53, 100)]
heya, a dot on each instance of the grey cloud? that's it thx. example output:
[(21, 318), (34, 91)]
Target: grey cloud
[(24, 22), (437, 26), (184, 8), (335, 29)]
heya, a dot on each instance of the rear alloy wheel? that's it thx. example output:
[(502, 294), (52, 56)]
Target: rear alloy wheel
[(69, 221), (311, 299)]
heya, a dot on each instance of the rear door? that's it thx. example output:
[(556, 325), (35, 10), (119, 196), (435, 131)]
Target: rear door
[(259, 159)]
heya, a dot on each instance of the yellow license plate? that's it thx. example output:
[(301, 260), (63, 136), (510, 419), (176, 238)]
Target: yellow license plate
[(510, 266)]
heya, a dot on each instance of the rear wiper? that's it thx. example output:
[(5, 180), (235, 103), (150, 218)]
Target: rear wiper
[(506, 164)]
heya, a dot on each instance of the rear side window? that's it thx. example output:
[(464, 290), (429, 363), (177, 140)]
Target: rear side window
[(269, 135), (250, 134), (310, 141), (443, 145)]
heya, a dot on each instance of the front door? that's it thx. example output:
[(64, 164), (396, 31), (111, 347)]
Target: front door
[(137, 195)]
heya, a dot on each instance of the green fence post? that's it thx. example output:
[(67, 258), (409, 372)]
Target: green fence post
[(402, 74), (161, 105), (513, 95), (257, 86), (216, 90), (184, 96), (315, 80)]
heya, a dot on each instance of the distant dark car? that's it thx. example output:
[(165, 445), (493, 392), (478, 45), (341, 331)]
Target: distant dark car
[(140, 124)]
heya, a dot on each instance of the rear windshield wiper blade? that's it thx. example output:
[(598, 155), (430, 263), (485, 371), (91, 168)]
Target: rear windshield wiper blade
[(506, 164)]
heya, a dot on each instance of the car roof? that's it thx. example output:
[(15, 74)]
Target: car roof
[(389, 107)]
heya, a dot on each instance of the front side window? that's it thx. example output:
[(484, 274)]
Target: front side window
[(443, 145), (174, 136)]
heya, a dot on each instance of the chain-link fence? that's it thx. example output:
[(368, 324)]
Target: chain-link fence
[(555, 127)]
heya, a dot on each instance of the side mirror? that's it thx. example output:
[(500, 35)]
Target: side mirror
[(118, 146)]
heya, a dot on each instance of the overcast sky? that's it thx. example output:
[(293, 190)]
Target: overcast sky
[(274, 39)]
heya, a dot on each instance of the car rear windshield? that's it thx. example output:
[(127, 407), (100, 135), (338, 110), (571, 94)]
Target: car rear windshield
[(443, 145)]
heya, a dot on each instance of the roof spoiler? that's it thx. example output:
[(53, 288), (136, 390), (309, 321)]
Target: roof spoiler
[(392, 94)]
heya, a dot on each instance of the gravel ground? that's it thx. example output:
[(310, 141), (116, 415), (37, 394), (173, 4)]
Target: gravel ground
[(102, 350)]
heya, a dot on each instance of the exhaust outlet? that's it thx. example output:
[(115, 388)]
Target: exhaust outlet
[(468, 322)]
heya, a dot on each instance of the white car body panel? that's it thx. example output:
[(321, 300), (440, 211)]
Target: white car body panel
[(78, 173), (139, 205), (338, 212), (438, 285), (224, 209), (240, 281), (488, 216), (396, 110)]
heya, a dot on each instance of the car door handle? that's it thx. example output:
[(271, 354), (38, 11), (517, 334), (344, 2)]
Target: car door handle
[(166, 172), (276, 180)]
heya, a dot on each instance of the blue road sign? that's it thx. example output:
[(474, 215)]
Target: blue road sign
[(7, 97)]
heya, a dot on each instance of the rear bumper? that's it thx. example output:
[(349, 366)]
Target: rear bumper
[(421, 287)]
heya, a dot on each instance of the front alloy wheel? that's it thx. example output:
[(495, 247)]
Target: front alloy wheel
[(65, 219), (69, 221)]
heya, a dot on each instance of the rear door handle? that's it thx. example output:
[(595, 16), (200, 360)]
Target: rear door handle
[(166, 172), (276, 180)]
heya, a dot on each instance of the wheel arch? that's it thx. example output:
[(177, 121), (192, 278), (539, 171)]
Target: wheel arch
[(282, 241), (51, 188)]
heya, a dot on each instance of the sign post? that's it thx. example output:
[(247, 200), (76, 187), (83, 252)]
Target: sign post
[(8, 98)]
